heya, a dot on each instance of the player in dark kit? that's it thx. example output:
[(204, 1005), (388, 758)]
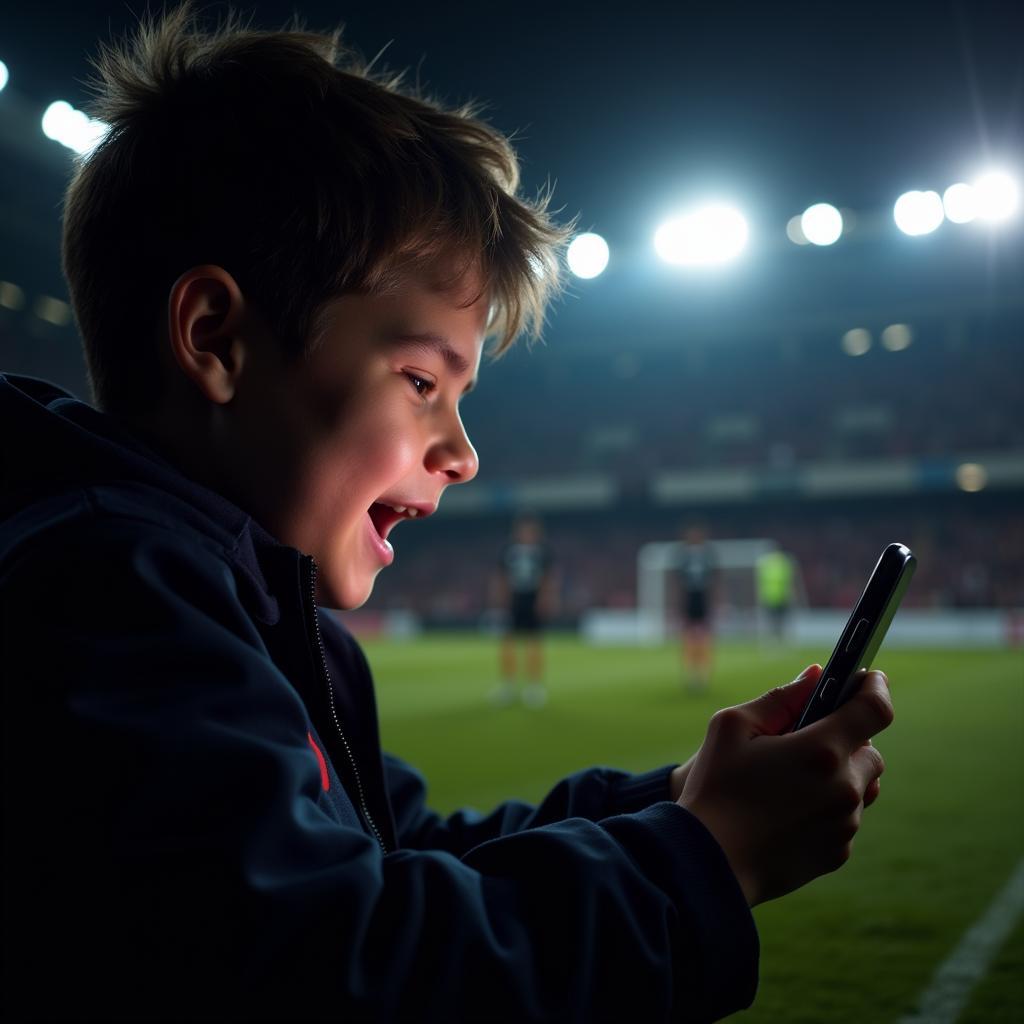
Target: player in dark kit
[(525, 586), (697, 573)]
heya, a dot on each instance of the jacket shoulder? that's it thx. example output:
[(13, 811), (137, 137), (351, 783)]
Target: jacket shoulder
[(92, 519)]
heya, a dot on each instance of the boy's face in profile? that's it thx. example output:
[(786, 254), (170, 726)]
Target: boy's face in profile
[(339, 448), (381, 425)]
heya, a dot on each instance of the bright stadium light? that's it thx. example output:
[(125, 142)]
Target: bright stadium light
[(587, 255), (856, 342), (971, 477), (960, 202), (711, 234), (795, 233), (897, 337), (997, 196), (11, 296), (5, 75), (54, 311), (918, 213), (822, 224), (72, 128)]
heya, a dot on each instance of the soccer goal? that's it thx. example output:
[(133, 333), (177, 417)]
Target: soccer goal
[(736, 611)]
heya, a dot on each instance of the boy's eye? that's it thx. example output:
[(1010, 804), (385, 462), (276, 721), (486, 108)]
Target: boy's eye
[(421, 385)]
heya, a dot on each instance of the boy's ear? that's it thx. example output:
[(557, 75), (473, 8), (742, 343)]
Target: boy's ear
[(205, 315)]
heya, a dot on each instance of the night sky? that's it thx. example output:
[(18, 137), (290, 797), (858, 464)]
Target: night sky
[(632, 111), (628, 108)]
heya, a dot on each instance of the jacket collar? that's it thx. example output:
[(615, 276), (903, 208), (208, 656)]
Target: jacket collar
[(51, 443)]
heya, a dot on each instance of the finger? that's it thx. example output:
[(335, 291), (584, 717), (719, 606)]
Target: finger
[(866, 713), (867, 765), (776, 711), (871, 793)]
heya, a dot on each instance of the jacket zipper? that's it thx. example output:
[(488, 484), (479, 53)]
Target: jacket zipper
[(334, 713)]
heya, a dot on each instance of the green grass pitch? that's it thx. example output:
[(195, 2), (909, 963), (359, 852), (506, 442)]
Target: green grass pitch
[(860, 944)]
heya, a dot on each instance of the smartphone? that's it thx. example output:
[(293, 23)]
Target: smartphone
[(863, 633)]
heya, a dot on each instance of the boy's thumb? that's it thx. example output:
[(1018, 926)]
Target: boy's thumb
[(776, 711)]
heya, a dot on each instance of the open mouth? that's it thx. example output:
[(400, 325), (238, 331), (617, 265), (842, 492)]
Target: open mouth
[(384, 517)]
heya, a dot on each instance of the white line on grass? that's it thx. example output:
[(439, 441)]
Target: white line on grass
[(946, 996)]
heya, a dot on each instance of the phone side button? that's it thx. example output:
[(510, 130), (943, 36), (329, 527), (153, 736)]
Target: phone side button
[(858, 632), (823, 693)]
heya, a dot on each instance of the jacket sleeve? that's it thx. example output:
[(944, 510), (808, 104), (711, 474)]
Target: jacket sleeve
[(592, 794), (170, 857)]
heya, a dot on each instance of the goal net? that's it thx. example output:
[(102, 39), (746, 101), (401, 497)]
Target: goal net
[(736, 609)]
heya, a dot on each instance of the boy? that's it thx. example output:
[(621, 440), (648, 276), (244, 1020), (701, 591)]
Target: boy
[(525, 583), (283, 274)]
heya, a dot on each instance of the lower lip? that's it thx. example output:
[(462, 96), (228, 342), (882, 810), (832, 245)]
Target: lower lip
[(385, 552)]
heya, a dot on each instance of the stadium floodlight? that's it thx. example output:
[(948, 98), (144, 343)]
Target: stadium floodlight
[(971, 477), (856, 342), (822, 224), (997, 196), (11, 296), (5, 75), (53, 311), (794, 232), (708, 235), (897, 337), (587, 255), (72, 128), (960, 201), (918, 213)]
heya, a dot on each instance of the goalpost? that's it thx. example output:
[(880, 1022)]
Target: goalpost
[(736, 612)]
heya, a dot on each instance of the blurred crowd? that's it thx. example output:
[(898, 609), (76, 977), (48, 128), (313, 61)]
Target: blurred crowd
[(775, 403), (970, 549), (951, 393)]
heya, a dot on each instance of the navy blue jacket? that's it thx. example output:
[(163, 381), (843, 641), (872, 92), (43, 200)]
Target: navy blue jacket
[(199, 821)]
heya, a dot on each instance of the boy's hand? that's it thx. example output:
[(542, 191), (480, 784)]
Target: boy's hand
[(785, 806)]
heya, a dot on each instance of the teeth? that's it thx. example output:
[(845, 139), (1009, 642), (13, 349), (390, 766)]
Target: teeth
[(398, 508), (414, 512)]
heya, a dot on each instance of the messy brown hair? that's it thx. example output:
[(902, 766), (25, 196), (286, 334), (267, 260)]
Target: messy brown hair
[(283, 158)]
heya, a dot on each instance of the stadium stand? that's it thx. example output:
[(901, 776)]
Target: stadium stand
[(970, 547), (725, 433)]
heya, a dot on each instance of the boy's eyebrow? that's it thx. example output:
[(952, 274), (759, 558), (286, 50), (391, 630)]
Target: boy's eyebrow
[(458, 364)]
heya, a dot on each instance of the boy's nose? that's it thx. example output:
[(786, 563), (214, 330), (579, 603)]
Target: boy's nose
[(455, 456), (465, 468)]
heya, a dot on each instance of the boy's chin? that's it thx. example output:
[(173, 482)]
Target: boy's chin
[(344, 594)]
